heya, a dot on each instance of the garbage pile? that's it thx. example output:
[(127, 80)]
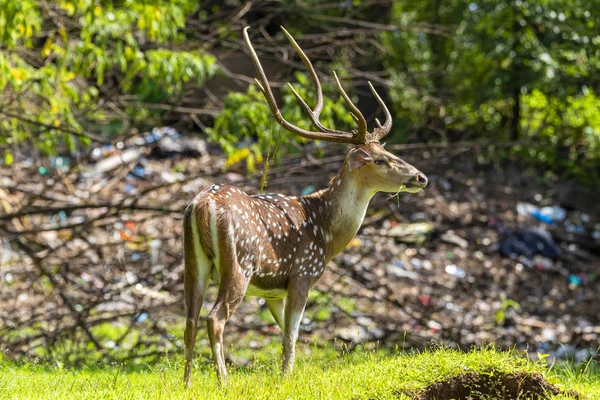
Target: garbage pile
[(94, 241), (92, 244)]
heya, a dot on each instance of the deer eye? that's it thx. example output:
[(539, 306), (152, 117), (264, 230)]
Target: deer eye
[(379, 162)]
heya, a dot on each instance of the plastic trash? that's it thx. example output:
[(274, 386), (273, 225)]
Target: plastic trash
[(424, 299), (434, 325), (116, 160), (547, 215), (307, 190), (528, 243), (541, 217), (456, 271), (60, 163), (142, 317), (452, 238), (397, 269), (130, 277), (155, 246), (411, 233), (139, 171), (542, 263), (574, 280), (526, 209), (555, 213), (574, 227)]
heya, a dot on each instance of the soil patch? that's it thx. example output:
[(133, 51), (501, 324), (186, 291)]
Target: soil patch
[(474, 386)]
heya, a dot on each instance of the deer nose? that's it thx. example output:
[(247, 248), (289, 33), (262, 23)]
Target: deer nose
[(419, 179)]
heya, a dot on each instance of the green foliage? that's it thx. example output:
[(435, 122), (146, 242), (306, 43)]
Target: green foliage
[(568, 129), (482, 69), (246, 115), (72, 75)]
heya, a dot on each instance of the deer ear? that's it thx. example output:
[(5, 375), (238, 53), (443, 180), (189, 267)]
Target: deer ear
[(358, 158)]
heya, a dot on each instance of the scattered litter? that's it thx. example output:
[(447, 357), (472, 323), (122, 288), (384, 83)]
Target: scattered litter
[(452, 238), (411, 233), (456, 271), (436, 326), (378, 264), (112, 162), (575, 280), (399, 271), (529, 242), (547, 215), (142, 317), (541, 262), (572, 227), (424, 299), (307, 190), (355, 334)]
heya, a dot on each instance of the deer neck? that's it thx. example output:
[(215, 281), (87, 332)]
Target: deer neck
[(345, 204)]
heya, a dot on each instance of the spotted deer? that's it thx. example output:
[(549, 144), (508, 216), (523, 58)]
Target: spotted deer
[(277, 246)]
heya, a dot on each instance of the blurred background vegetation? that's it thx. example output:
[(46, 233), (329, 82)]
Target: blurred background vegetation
[(74, 72)]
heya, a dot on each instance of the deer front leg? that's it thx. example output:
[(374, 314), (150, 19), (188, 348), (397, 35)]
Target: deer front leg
[(276, 307), (294, 308)]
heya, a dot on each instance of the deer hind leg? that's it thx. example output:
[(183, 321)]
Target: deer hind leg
[(232, 288), (196, 279)]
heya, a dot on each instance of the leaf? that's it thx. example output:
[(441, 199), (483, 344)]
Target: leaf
[(499, 317), (47, 49), (8, 158)]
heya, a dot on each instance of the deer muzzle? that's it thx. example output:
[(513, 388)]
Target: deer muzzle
[(418, 180)]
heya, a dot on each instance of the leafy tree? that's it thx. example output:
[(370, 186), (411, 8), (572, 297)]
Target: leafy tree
[(69, 67), (501, 70)]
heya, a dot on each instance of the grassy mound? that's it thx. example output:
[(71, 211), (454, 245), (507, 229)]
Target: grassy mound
[(437, 374)]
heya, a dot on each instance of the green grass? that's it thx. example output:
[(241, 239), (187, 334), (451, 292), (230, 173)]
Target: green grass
[(318, 375)]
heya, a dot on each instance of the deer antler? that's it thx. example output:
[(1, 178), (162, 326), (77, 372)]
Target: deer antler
[(314, 114), (381, 130), (355, 137)]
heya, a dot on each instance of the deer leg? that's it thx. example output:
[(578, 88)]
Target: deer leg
[(195, 289), (231, 293), (276, 307), (196, 279), (294, 308)]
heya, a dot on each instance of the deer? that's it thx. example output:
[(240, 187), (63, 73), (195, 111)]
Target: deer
[(276, 246)]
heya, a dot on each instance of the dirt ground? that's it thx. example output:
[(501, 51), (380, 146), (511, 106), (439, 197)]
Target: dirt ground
[(472, 386)]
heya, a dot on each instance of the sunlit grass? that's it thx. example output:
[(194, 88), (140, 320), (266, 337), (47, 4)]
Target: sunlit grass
[(322, 374)]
